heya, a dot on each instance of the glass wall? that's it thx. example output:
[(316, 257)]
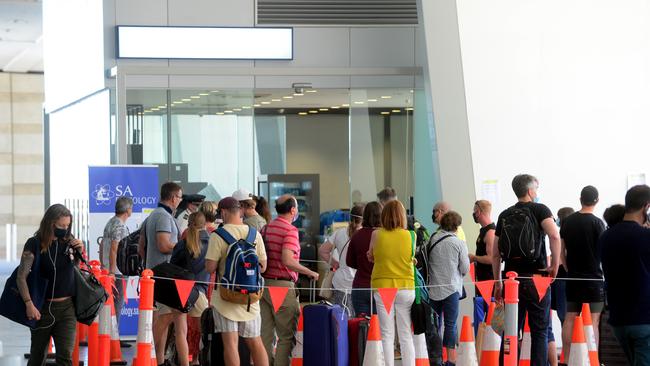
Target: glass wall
[(215, 141)]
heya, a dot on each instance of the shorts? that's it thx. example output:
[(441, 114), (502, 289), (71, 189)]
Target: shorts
[(163, 309), (199, 306), (246, 329), (576, 307), (585, 291)]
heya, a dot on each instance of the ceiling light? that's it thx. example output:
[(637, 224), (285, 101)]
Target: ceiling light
[(204, 94), (386, 97), (311, 90), (313, 111), (186, 100), (155, 109), (396, 111), (287, 97), (345, 105), (177, 102), (257, 105), (276, 100), (358, 102), (237, 109), (266, 102), (303, 113), (246, 107), (409, 109), (335, 107), (298, 94), (323, 109), (385, 113), (220, 113), (147, 111), (214, 91), (372, 100), (411, 90), (227, 111), (162, 106), (195, 97)]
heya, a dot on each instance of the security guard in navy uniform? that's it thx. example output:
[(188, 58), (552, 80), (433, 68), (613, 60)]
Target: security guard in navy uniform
[(189, 204)]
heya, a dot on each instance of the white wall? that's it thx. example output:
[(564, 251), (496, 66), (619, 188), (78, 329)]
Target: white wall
[(560, 90)]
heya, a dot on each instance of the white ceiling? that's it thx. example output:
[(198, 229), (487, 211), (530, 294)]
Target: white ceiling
[(21, 36)]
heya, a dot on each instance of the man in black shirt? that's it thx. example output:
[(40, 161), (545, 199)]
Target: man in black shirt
[(525, 188), (626, 259), (580, 232), (482, 215)]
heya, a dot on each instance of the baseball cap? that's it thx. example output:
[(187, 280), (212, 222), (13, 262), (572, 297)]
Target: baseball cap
[(228, 203), (242, 195), (589, 195)]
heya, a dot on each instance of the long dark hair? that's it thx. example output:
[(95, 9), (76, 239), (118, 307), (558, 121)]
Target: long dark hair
[(45, 232), (372, 215), (262, 208)]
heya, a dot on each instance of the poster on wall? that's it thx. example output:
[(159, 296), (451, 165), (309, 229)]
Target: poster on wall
[(105, 185)]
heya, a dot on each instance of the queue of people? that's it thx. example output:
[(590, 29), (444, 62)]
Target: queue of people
[(377, 250)]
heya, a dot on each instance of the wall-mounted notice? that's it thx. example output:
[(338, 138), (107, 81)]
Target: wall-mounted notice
[(490, 191)]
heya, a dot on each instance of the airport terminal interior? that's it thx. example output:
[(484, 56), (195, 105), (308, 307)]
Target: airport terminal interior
[(329, 127)]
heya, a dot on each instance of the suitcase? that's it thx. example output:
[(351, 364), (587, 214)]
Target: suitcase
[(357, 338), (211, 351), (325, 335)]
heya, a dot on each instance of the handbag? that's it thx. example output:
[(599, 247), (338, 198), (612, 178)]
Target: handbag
[(89, 296), (165, 291), (420, 310), (327, 285), (12, 305)]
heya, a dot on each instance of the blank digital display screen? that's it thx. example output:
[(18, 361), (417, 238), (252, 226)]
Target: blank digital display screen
[(205, 43)]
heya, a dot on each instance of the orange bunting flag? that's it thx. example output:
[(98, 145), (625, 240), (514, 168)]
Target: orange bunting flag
[(277, 296), (472, 272), (387, 296), (486, 288), (184, 287), (542, 284)]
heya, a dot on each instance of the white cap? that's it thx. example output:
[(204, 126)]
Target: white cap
[(242, 195)]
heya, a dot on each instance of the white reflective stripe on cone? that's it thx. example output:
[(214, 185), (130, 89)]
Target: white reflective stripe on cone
[(145, 329), (374, 355), (115, 331), (467, 354), (490, 348), (579, 355), (105, 320), (421, 353), (590, 338)]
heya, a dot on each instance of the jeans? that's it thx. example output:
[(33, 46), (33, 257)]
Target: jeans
[(538, 320), (448, 309), (361, 300), (401, 310), (635, 341), (58, 321)]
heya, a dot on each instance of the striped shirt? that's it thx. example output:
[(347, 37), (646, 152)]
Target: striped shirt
[(448, 264), (279, 234)]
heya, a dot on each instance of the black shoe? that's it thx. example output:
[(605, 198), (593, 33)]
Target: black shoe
[(124, 344)]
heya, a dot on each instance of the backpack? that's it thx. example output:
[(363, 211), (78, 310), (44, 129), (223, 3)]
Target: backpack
[(242, 282), (422, 256), (422, 234), (129, 261), (520, 235)]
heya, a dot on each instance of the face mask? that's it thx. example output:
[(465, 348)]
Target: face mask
[(475, 217), (295, 218), (60, 233), (557, 222), (433, 218), (536, 199)]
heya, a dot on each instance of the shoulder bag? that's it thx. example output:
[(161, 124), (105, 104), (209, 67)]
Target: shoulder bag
[(90, 295)]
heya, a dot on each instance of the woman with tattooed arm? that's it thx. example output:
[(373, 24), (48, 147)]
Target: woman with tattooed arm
[(56, 318)]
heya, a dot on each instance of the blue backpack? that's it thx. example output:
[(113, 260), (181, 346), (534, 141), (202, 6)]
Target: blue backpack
[(242, 282)]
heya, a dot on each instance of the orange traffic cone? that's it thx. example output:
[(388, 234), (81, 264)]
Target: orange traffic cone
[(579, 355), (421, 352), (116, 352), (154, 361), (524, 357), (374, 354), (466, 346), (590, 337), (145, 347), (296, 354), (491, 343)]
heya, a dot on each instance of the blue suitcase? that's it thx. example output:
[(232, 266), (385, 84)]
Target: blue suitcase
[(325, 335)]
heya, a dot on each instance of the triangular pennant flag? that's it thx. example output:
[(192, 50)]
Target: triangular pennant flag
[(472, 272), (126, 298), (277, 296), (485, 288), (184, 287), (542, 284), (387, 296)]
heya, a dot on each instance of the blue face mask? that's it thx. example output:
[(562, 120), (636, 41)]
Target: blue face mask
[(557, 222), (536, 199)]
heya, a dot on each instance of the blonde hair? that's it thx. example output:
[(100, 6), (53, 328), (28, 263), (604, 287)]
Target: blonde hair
[(196, 223), (484, 205), (393, 216), (209, 210)]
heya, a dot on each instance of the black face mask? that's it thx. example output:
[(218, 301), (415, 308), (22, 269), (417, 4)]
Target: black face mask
[(475, 217), (433, 218), (60, 233)]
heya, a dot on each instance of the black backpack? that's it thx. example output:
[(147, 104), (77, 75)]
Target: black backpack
[(129, 261), (520, 235), (422, 256), (211, 350)]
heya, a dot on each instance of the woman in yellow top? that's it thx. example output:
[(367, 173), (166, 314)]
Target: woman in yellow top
[(392, 253)]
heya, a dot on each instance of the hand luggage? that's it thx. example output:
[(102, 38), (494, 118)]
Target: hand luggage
[(211, 351), (165, 291), (357, 338), (326, 335)]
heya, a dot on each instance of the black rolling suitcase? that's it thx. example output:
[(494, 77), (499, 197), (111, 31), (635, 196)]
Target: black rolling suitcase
[(211, 350)]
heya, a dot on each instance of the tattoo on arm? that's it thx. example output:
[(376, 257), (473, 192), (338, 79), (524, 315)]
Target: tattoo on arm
[(26, 262)]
